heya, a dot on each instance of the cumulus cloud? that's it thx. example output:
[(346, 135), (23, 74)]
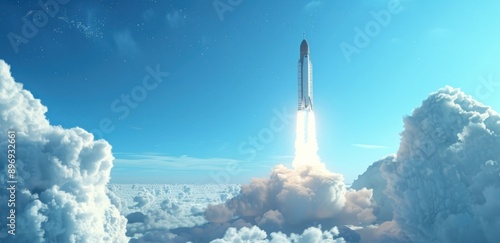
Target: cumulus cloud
[(372, 178), (257, 235), (444, 181), (61, 175), (168, 213)]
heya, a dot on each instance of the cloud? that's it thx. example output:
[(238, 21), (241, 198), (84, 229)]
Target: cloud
[(257, 235), (318, 196), (369, 146), (444, 156), (153, 210), (61, 175), (444, 181), (372, 178)]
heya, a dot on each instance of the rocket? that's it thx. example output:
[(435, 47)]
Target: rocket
[(305, 78)]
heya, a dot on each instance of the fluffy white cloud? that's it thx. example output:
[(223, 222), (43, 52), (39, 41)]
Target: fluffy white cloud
[(61, 175), (154, 210), (444, 181), (257, 235), (243, 235), (372, 178)]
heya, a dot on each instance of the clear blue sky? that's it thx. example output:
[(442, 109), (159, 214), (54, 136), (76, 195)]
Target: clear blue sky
[(228, 71)]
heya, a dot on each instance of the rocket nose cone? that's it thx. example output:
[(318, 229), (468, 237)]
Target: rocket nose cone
[(304, 48)]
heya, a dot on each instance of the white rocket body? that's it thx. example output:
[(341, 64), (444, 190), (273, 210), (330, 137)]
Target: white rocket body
[(305, 79)]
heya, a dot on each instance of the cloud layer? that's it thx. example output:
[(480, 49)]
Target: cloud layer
[(61, 174)]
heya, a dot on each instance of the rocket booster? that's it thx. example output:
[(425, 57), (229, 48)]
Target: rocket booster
[(305, 78)]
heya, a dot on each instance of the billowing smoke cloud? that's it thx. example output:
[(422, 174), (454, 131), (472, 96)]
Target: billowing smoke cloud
[(293, 200), (444, 182), (61, 175)]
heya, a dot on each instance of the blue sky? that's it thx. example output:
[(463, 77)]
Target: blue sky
[(230, 72)]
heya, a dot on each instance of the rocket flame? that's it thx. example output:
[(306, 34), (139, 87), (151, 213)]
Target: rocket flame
[(306, 146)]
